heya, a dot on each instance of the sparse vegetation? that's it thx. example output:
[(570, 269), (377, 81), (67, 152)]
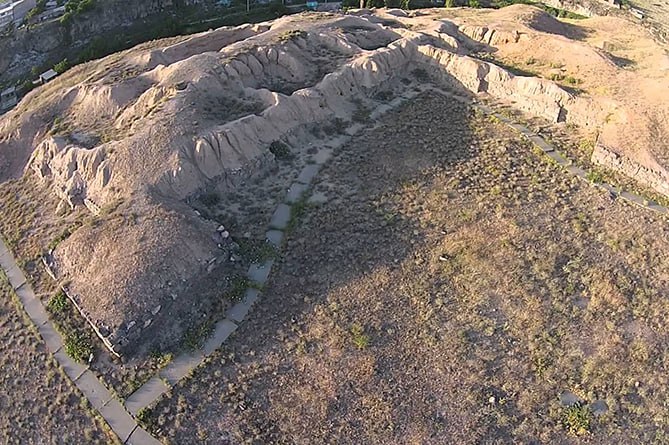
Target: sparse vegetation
[(78, 346), (36, 386), (238, 285), (292, 34), (210, 199), (435, 248), (195, 337), (58, 303), (360, 339), (577, 419), (595, 176)]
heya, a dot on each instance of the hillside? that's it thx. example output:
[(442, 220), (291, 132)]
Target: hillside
[(138, 137)]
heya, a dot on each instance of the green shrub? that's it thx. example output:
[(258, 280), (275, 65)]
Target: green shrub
[(280, 150), (474, 3), (58, 303), (61, 66), (278, 9), (360, 339), (78, 347), (416, 4), (594, 176), (143, 415), (292, 34), (577, 419)]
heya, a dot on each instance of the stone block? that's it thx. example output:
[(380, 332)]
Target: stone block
[(541, 143), (239, 311), (32, 305), (308, 173), (281, 217), (274, 237), (259, 273), (577, 171), (93, 389), (140, 437), (51, 337), (181, 366), (72, 368), (222, 331), (145, 395), (295, 192), (558, 158), (118, 419), (15, 276)]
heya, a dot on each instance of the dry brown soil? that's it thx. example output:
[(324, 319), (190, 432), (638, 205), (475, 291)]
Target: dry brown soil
[(453, 284), (39, 404)]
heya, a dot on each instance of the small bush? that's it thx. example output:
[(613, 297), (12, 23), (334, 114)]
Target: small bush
[(210, 199), (572, 80), (255, 250), (78, 347), (420, 74), (594, 176), (61, 66), (280, 150), (360, 339), (238, 286), (293, 34), (143, 415), (474, 4), (577, 419), (361, 115), (58, 303)]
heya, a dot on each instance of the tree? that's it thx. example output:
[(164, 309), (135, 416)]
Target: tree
[(61, 66)]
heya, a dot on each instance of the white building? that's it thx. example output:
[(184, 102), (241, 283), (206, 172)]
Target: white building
[(47, 76), (8, 99)]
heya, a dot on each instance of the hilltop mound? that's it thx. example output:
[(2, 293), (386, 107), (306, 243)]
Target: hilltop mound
[(140, 138)]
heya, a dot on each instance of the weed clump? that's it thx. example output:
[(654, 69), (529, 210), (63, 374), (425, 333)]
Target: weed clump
[(194, 337), (58, 303), (577, 419), (360, 339), (78, 347)]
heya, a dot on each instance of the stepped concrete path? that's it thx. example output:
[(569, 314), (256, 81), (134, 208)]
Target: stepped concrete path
[(120, 416), (122, 423)]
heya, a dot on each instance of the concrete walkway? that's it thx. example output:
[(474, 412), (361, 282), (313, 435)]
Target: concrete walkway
[(121, 416), (98, 395)]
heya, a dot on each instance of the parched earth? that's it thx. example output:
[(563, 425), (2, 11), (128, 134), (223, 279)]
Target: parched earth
[(446, 283), (40, 405)]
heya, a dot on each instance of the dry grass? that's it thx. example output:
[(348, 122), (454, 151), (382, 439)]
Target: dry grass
[(41, 405), (451, 288)]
